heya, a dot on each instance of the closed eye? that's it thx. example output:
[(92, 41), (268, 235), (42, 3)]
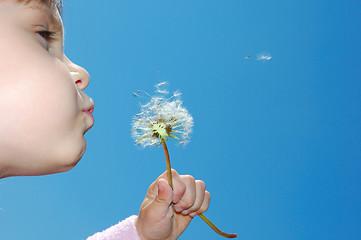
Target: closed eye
[(47, 35)]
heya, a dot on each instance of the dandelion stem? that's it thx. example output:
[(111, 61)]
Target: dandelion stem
[(167, 162), (227, 235), (170, 182)]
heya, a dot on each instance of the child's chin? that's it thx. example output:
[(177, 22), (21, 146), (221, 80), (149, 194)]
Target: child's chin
[(69, 158)]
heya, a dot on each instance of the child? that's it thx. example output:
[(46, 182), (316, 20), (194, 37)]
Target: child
[(45, 113)]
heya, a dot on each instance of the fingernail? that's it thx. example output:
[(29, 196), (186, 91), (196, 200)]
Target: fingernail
[(177, 209), (185, 212), (193, 214)]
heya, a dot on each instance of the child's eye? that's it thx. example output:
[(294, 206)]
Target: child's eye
[(47, 35)]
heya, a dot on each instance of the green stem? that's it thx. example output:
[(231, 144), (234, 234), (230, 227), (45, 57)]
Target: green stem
[(167, 162), (227, 235), (170, 182)]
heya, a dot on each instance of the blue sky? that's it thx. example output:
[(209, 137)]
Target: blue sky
[(277, 142)]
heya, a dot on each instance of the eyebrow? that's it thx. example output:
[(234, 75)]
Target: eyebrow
[(55, 20)]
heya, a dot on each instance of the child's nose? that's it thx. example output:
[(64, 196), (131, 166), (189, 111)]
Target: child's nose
[(80, 75)]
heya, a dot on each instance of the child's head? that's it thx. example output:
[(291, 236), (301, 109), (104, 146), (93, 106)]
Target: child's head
[(44, 112)]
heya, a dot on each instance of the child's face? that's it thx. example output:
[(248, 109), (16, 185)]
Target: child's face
[(43, 111)]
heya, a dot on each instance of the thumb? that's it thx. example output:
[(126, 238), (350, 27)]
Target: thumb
[(156, 216), (164, 197), (160, 205)]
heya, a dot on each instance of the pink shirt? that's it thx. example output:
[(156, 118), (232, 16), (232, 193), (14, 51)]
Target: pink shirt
[(124, 230)]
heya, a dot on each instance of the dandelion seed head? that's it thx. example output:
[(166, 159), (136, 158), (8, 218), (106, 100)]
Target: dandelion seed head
[(162, 118)]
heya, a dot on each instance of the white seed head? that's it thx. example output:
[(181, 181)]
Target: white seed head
[(161, 118)]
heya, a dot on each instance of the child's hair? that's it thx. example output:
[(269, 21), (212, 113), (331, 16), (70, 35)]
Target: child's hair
[(49, 3)]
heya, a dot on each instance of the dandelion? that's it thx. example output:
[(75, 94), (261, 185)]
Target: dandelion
[(162, 118)]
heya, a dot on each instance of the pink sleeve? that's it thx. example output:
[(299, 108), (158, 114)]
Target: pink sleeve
[(124, 230)]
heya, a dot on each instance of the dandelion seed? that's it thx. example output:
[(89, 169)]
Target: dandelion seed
[(160, 84), (162, 118), (161, 88), (264, 56)]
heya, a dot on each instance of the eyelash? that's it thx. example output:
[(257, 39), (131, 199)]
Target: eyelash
[(47, 35)]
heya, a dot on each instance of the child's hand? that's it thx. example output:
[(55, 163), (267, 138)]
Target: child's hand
[(166, 213)]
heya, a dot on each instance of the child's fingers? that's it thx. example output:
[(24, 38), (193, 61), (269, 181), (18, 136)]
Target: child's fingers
[(189, 196), (204, 206), (179, 187), (200, 193)]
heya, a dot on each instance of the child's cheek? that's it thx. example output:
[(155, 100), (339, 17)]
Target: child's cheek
[(43, 114), (42, 106)]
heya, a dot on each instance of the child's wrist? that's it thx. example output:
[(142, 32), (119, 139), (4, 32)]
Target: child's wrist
[(138, 228)]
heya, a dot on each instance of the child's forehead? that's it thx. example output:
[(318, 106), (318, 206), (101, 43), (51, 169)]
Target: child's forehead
[(46, 10), (53, 4), (46, 2), (53, 7)]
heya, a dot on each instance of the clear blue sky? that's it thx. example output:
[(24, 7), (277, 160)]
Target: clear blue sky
[(277, 142)]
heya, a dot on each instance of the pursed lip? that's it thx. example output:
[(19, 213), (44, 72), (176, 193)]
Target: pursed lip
[(89, 110)]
